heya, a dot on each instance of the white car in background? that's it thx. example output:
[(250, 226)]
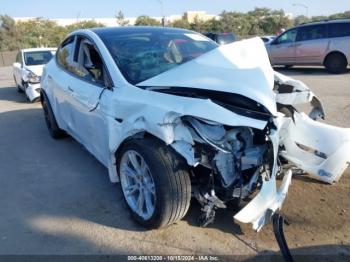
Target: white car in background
[(28, 68)]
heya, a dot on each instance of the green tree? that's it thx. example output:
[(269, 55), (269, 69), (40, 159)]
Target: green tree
[(301, 19), (235, 22), (8, 33), (212, 25), (197, 24), (181, 23), (146, 20), (121, 19), (345, 14), (83, 25), (40, 32)]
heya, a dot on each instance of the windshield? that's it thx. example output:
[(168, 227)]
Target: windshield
[(37, 57), (226, 38), (143, 55)]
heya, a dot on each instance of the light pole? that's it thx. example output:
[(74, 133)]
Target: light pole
[(304, 6), (162, 11)]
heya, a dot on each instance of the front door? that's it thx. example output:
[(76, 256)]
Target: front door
[(282, 50), (85, 91)]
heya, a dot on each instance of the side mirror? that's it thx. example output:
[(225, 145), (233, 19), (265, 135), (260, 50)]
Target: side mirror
[(18, 65)]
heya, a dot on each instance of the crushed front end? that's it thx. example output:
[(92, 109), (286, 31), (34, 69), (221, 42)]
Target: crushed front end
[(232, 164)]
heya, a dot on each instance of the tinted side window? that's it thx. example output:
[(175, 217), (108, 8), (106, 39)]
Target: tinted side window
[(65, 53), (312, 32), (19, 58), (287, 37), (339, 29)]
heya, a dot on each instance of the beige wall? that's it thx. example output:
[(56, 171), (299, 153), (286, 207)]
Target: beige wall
[(7, 58)]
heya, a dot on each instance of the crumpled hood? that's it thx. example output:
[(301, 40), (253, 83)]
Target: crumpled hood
[(37, 69), (242, 67)]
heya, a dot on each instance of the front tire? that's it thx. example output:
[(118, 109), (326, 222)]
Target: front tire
[(336, 63), (50, 119), (19, 90), (155, 182)]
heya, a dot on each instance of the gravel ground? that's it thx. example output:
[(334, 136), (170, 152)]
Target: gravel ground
[(56, 198)]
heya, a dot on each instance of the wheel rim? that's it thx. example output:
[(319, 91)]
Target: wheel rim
[(137, 184)]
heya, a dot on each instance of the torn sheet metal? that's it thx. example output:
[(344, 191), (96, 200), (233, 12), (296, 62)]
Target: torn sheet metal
[(258, 212), (319, 149)]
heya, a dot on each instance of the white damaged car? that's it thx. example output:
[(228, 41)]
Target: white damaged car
[(172, 115), (28, 68)]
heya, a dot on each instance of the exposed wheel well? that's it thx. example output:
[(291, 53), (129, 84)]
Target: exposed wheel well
[(142, 134), (332, 53)]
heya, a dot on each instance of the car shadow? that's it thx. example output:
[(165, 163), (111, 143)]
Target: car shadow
[(11, 94), (321, 253), (299, 70)]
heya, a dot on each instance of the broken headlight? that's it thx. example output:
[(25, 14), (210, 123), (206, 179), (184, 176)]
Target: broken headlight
[(33, 78)]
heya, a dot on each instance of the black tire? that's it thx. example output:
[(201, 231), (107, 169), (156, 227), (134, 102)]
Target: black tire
[(336, 63), (171, 178), (50, 119)]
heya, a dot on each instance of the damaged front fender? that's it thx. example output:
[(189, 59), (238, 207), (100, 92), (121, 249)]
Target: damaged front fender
[(293, 92)]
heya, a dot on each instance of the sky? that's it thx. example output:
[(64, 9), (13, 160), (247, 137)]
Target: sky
[(133, 8)]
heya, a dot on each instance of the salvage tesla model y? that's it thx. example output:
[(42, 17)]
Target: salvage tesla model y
[(173, 116)]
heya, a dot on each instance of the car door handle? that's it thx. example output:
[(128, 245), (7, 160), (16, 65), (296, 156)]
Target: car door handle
[(50, 77), (70, 89)]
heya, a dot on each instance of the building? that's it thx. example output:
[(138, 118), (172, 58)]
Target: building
[(112, 21)]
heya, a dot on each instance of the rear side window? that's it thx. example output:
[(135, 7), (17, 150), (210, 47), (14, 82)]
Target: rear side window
[(339, 29), (312, 32)]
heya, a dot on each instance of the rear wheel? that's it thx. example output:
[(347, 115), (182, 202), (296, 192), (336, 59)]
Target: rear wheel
[(336, 63), (50, 120), (155, 182)]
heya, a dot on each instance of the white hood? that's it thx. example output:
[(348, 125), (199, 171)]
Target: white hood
[(37, 69), (242, 67)]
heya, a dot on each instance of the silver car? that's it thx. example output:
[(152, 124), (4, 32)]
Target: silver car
[(321, 43)]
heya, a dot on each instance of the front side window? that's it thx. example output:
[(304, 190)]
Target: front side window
[(287, 37), (143, 55), (64, 55), (339, 29), (226, 38), (37, 57), (312, 32), (88, 62)]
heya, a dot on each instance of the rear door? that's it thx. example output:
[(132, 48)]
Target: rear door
[(282, 50), (311, 44)]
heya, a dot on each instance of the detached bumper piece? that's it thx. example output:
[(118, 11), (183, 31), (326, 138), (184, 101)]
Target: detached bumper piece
[(259, 211)]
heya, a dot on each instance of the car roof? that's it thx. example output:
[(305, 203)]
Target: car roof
[(38, 49), (345, 20), (136, 29)]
